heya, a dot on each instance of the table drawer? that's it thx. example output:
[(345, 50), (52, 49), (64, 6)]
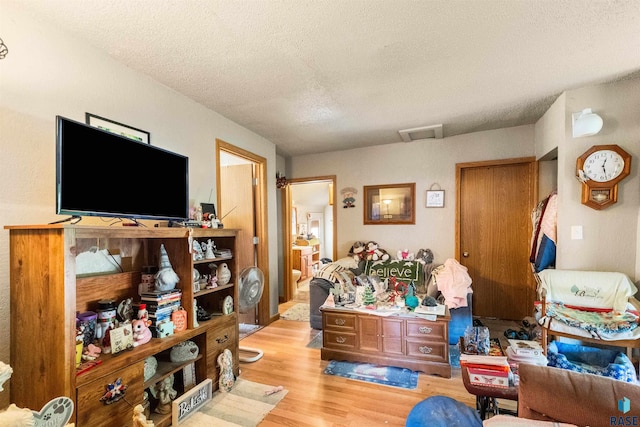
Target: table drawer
[(339, 322), (338, 340), (425, 329), (428, 350), (92, 412)]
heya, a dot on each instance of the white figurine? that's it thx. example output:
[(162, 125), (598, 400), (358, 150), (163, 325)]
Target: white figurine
[(166, 278), (223, 274), (225, 363), (197, 251), (210, 247), (139, 419)]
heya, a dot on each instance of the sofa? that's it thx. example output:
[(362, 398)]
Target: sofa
[(547, 396)]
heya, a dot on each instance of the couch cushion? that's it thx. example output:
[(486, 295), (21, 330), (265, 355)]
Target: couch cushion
[(550, 394)]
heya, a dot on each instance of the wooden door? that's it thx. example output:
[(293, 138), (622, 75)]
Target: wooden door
[(237, 210), (495, 201)]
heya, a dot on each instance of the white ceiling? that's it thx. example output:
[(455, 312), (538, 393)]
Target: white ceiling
[(323, 75)]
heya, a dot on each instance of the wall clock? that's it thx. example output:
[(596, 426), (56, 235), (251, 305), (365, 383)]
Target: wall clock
[(600, 169)]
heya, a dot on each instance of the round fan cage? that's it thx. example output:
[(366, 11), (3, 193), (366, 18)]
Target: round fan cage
[(249, 293)]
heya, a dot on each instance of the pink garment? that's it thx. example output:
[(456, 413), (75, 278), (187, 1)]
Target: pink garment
[(453, 282)]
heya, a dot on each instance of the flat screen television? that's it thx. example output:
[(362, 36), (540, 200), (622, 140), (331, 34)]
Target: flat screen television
[(99, 173)]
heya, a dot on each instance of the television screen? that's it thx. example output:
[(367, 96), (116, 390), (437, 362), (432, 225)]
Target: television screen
[(103, 174)]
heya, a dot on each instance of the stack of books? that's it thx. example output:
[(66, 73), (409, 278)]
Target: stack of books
[(160, 305), (490, 371), (222, 253), (525, 351)]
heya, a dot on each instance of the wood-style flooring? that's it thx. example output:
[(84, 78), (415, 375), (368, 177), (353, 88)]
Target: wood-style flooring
[(316, 399)]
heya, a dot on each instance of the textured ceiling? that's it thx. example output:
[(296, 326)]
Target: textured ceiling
[(325, 75)]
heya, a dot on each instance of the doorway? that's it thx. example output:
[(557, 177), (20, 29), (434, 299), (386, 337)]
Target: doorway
[(307, 203), (242, 204), (493, 234)]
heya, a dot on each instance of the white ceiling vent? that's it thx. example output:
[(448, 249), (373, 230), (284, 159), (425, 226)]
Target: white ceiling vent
[(433, 131)]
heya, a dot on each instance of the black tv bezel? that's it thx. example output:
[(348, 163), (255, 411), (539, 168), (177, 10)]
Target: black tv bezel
[(97, 213)]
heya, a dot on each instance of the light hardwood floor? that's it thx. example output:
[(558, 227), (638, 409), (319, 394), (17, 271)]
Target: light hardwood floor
[(315, 399)]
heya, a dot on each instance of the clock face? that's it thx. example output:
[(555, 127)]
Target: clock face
[(603, 165)]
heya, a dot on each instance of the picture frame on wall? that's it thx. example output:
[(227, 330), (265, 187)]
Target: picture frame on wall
[(118, 128), (435, 198)]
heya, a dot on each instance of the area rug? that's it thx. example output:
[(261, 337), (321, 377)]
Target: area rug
[(385, 375), (245, 329), (299, 312), (316, 342), (245, 406)]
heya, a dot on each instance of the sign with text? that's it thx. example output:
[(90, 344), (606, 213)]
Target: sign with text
[(190, 402), (402, 270)]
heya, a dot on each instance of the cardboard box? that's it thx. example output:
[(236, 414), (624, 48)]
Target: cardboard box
[(488, 377)]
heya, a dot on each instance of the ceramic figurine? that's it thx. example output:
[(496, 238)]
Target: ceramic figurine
[(5, 373), (141, 331), (223, 274), (225, 363), (197, 251), (195, 313), (166, 278), (165, 393), (139, 419), (210, 247)]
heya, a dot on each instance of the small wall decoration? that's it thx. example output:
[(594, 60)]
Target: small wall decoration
[(435, 198), (348, 197), (118, 128)]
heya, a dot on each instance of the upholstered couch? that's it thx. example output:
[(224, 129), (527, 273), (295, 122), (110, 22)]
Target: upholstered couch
[(548, 396)]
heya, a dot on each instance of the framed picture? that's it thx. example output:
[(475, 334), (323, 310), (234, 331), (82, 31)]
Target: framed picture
[(389, 204), (118, 128), (435, 198)]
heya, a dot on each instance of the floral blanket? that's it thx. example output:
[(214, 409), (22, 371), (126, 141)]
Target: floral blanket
[(594, 322)]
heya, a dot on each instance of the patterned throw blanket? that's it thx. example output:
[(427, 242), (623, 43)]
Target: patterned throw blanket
[(594, 322)]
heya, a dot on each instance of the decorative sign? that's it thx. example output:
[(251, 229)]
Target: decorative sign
[(402, 270), (191, 401), (121, 338), (435, 198), (56, 413)]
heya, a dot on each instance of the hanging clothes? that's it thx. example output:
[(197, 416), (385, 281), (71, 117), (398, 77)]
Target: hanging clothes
[(545, 226)]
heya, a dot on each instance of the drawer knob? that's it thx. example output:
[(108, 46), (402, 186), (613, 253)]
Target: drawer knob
[(425, 330), (340, 322), (425, 350), (341, 340), (223, 339)]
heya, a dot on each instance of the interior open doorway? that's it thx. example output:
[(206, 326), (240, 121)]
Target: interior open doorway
[(309, 229), (242, 204)]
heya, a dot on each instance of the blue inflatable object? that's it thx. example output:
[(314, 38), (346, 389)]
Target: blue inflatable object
[(442, 411), (461, 317)]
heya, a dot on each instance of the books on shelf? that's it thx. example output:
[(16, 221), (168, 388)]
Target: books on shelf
[(161, 295), (525, 347)]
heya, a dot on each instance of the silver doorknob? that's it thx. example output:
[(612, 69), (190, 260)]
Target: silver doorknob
[(465, 254)]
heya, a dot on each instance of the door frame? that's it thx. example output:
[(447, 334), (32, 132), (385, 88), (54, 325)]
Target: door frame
[(287, 241), (261, 216)]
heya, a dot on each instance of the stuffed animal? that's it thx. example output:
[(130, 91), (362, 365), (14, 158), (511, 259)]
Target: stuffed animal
[(374, 253), (358, 251), (425, 256), (141, 331), (405, 255)]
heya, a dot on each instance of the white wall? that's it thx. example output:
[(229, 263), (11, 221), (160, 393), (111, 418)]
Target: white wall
[(610, 235), (49, 73), (424, 162)]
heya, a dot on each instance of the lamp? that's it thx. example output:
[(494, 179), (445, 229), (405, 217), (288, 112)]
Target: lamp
[(586, 123), (387, 202)]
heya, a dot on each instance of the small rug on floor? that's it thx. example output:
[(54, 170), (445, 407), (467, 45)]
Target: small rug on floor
[(299, 312), (245, 329), (385, 375), (245, 405), (316, 342)]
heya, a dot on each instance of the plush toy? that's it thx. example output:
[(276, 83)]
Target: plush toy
[(141, 331), (424, 256), (405, 255), (358, 251), (374, 253)]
